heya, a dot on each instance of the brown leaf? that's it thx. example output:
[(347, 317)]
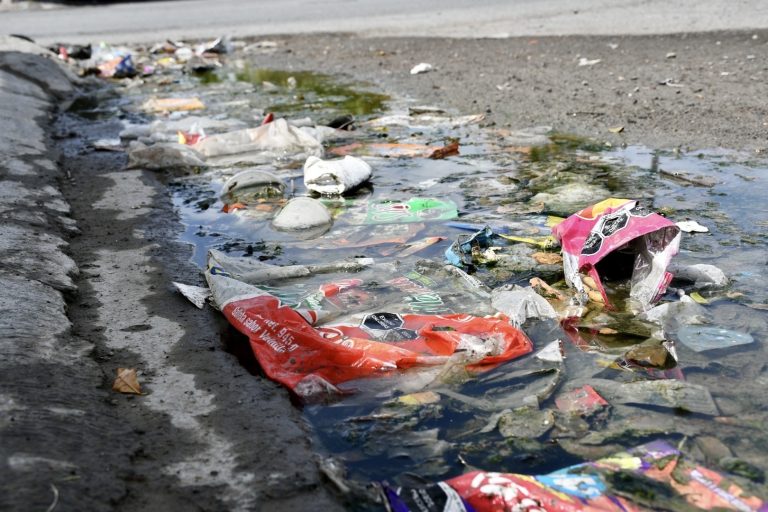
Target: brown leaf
[(127, 382), (450, 149), (547, 258)]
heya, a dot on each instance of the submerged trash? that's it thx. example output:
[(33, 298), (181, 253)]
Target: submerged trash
[(297, 346), (564, 199), (552, 353), (584, 400), (162, 156), (668, 393), (691, 226), (250, 184), (526, 422), (520, 304), (274, 140), (335, 176), (461, 252), (394, 150), (415, 209), (619, 239), (638, 479), (702, 276), (701, 337), (673, 314), (303, 213)]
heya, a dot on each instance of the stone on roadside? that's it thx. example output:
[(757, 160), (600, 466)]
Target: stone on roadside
[(569, 198), (303, 214)]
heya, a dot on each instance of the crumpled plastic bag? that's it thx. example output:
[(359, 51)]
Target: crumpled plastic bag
[(335, 176), (702, 275), (275, 140), (619, 239), (326, 327), (520, 304), (162, 156)]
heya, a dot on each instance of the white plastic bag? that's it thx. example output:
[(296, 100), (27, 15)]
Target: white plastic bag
[(275, 140), (335, 176)]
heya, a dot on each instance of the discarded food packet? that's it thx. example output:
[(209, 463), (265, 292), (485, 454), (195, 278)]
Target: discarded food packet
[(335, 176), (315, 327), (618, 239), (666, 478), (415, 209), (459, 254), (119, 67)]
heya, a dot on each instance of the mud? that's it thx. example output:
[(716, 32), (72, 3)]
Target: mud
[(713, 97)]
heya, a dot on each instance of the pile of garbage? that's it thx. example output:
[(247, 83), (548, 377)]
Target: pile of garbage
[(448, 294)]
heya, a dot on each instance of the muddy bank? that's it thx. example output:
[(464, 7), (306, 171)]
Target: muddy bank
[(686, 90)]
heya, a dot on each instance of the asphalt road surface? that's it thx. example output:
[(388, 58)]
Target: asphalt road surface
[(148, 21)]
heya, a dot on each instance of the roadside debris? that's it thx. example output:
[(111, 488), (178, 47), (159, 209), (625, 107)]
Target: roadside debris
[(583, 61), (127, 382), (265, 143), (660, 393), (159, 157), (520, 304), (359, 291), (335, 176), (619, 239), (702, 275), (303, 214), (422, 67), (197, 295), (298, 347), (701, 337), (691, 226), (631, 480), (584, 400)]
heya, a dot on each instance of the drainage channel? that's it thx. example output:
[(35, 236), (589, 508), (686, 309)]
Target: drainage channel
[(692, 378)]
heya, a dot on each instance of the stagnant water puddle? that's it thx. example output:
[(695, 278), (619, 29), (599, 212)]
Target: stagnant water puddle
[(517, 417)]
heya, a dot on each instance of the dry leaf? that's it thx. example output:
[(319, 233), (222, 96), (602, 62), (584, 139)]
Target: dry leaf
[(127, 382), (422, 398), (448, 150), (617, 129), (547, 258)]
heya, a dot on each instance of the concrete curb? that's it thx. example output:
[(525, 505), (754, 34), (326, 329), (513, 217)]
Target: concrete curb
[(35, 271)]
